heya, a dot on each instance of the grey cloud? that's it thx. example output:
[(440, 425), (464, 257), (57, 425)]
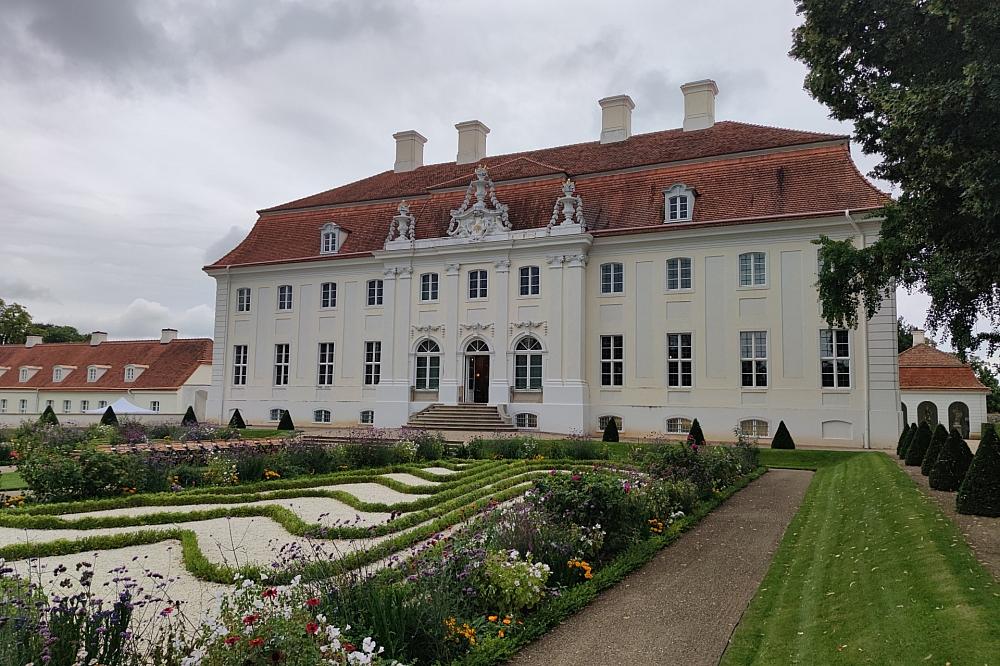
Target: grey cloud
[(12, 289), (220, 247)]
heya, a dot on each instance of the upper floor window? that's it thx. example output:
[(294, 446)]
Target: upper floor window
[(328, 295), (375, 292), (679, 273), (612, 278), (528, 364), (243, 299), (680, 203), (329, 239), (835, 358), (612, 360), (24, 375), (91, 374), (753, 358), (324, 375), (57, 374), (477, 284), (130, 374), (429, 287), (753, 269), (679, 360), (285, 297), (530, 281), (428, 367)]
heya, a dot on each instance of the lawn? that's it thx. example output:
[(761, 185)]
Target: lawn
[(11, 481), (868, 572)]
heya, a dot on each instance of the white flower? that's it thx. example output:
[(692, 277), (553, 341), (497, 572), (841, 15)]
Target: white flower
[(368, 645), (247, 583)]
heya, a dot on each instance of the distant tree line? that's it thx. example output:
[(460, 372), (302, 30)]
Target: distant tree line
[(16, 325)]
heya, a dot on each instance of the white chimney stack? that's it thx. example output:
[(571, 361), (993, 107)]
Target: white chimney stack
[(471, 141), (409, 150), (32, 340), (918, 337), (699, 104), (168, 335), (616, 118), (97, 337)]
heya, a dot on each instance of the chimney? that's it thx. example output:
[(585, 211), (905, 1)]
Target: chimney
[(409, 150), (168, 335), (616, 118), (32, 340), (471, 141), (918, 337), (699, 104), (97, 337)]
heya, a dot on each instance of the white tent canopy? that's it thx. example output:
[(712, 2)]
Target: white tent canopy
[(121, 406)]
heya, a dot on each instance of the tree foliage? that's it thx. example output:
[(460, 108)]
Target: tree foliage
[(14, 323), (189, 418), (57, 333), (611, 430), (952, 465), (979, 493), (904, 335), (911, 434), (109, 418), (921, 83), (695, 435), (286, 421), (918, 445), (48, 416), (938, 439), (989, 374), (236, 420)]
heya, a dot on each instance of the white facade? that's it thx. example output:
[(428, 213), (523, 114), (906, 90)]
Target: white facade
[(949, 407)]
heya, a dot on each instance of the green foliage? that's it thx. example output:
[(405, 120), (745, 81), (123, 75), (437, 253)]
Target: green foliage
[(57, 333), (286, 421), (611, 430), (918, 80), (979, 493), (109, 418), (903, 436), (708, 468), (59, 473), (511, 583), (952, 465), (14, 323), (989, 374), (236, 421), (904, 335), (189, 418), (430, 445), (934, 449), (48, 417), (695, 435), (782, 438), (911, 435), (918, 447)]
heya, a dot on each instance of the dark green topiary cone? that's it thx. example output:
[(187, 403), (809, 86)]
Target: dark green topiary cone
[(782, 438), (979, 494), (918, 447), (952, 465), (938, 439)]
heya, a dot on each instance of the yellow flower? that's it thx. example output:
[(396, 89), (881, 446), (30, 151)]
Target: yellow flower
[(492, 618), (506, 620), (500, 633)]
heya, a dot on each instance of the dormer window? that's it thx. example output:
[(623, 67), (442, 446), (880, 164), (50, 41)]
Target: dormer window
[(130, 374), (679, 203), (95, 372), (60, 372), (329, 239), (132, 371), (26, 372)]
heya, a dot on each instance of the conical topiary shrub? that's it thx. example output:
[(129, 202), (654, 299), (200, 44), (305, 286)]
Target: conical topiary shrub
[(938, 439), (979, 494), (611, 430), (953, 463), (902, 440), (918, 447), (286, 421), (910, 435), (695, 435), (109, 418), (782, 438), (189, 418), (48, 416), (236, 420)]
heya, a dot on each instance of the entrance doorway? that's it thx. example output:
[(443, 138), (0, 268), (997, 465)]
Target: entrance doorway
[(477, 372)]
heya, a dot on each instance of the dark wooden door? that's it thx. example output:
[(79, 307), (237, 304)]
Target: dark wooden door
[(478, 378)]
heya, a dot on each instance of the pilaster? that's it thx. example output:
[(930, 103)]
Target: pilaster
[(499, 383), (450, 366)]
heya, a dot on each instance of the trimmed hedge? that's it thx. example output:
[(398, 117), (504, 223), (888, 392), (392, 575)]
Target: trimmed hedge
[(236, 421), (782, 438), (979, 493), (286, 421), (904, 437), (49, 417), (952, 464), (695, 434), (918, 447), (911, 432), (611, 430), (938, 439), (109, 418), (189, 418)]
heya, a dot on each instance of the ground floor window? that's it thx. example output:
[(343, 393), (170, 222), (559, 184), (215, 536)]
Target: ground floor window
[(373, 362), (67, 406), (367, 417), (101, 404), (526, 420), (602, 422), (154, 405), (22, 406), (84, 405), (3, 405), (612, 360), (321, 416), (754, 427), (428, 371), (275, 414), (678, 425), (528, 365)]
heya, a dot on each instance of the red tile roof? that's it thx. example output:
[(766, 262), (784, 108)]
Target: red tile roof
[(621, 185), (925, 367), (170, 364)]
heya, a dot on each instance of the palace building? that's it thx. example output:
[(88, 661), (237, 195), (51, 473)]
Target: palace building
[(650, 278)]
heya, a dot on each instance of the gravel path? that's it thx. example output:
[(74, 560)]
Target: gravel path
[(682, 607)]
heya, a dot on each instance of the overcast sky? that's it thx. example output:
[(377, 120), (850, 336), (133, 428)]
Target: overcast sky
[(137, 138)]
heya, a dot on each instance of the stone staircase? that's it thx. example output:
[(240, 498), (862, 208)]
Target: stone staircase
[(470, 417)]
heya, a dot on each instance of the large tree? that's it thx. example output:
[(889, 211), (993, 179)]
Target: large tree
[(921, 82), (14, 323), (57, 333), (989, 374)]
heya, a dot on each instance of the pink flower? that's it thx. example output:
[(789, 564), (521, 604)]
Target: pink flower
[(231, 640), (577, 477), (251, 619), (166, 612), (257, 642), (269, 593)]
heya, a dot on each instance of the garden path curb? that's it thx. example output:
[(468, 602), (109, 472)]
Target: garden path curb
[(682, 607)]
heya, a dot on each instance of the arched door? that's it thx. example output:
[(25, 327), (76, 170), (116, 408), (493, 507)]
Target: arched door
[(958, 417), (927, 411), (477, 372)]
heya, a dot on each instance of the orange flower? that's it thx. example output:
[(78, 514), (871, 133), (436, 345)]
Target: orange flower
[(256, 642)]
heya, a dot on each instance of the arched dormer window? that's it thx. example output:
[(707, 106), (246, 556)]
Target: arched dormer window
[(679, 203), (329, 239)]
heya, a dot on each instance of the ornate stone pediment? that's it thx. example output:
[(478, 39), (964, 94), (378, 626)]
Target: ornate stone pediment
[(529, 325), (483, 217), (403, 226), (477, 327)]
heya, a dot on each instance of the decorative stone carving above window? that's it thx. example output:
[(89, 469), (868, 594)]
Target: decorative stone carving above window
[(403, 226), (529, 325), (477, 327), (477, 220), (679, 203), (567, 214), (424, 329)]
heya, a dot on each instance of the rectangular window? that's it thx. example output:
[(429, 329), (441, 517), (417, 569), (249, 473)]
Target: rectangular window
[(130, 374), (527, 372), (429, 287), (374, 292), (50, 403), (679, 360), (282, 358), (373, 362), (3, 405), (612, 278), (679, 207), (22, 406), (101, 404), (274, 414), (285, 297), (328, 295), (239, 365), (753, 358), (324, 375), (612, 360), (679, 273), (67, 406), (57, 375), (243, 299), (835, 358), (321, 416), (367, 417), (477, 284), (84, 405), (154, 405), (753, 269), (91, 374), (526, 420), (530, 281)]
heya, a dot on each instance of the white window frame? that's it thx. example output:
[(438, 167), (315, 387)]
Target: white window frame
[(678, 425), (67, 406), (329, 239), (286, 295), (373, 362), (154, 405), (102, 404), (322, 416), (274, 414), (609, 271), (328, 295), (23, 375), (756, 275), (3, 405), (84, 405), (526, 420), (678, 204), (678, 364), (754, 430), (677, 267), (57, 374), (427, 366), (325, 364), (241, 356), (92, 375), (282, 363), (22, 406), (430, 285), (244, 300), (529, 281), (478, 284), (529, 368), (754, 358), (366, 417), (376, 293), (602, 421), (830, 353), (130, 373), (612, 365)]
